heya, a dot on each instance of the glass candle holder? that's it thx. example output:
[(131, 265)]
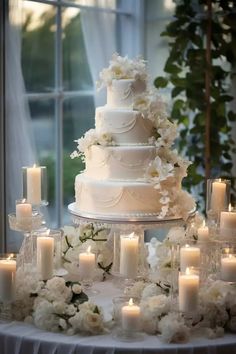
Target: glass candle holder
[(59, 270), (45, 254), (35, 185), (228, 267), (217, 198), (189, 281), (87, 266)]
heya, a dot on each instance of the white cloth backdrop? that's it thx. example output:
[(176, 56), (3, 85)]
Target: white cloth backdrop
[(99, 29), (19, 146)]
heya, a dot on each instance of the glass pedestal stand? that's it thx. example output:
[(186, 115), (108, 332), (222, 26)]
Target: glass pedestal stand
[(123, 224)]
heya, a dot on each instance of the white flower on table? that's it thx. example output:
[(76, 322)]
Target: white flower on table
[(173, 329)]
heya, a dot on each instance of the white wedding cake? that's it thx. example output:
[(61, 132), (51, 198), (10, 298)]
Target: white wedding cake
[(131, 169)]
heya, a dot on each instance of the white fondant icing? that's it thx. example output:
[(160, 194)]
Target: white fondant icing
[(121, 93), (112, 197), (125, 126), (118, 162)]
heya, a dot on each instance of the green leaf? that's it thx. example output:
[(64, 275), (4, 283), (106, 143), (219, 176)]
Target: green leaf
[(160, 82)]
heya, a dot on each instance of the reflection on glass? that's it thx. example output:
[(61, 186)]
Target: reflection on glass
[(76, 72), (37, 39), (108, 4)]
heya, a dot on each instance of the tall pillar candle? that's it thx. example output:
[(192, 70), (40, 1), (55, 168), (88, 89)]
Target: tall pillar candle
[(189, 257), (7, 280), (130, 316), (45, 253), (218, 195), (188, 291), (86, 264), (129, 246), (34, 185)]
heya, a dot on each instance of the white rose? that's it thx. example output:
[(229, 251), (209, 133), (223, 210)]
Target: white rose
[(76, 288)]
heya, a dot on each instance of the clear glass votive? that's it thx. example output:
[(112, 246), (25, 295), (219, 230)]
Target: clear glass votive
[(217, 198), (87, 267), (35, 185), (227, 229), (228, 267), (7, 284), (59, 270), (189, 281), (190, 256)]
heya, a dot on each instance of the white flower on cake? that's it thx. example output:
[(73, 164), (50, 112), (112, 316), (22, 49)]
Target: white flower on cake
[(122, 68), (159, 170)]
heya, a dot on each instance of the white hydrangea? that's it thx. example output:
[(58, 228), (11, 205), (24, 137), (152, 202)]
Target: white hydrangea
[(173, 329)]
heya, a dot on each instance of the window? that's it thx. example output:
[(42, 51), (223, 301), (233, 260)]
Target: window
[(64, 45)]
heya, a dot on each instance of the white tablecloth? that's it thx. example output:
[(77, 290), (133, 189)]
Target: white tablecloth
[(20, 338)]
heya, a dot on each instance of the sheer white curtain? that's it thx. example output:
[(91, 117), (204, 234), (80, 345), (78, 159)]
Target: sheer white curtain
[(19, 145), (99, 29)]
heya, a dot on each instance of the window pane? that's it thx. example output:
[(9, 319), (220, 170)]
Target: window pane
[(43, 127), (76, 73), (38, 31), (110, 4), (78, 118)]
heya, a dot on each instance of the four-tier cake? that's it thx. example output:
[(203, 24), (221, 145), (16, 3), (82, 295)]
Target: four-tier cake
[(131, 167)]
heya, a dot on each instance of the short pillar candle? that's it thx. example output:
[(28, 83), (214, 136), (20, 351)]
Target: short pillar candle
[(203, 233), (189, 257), (228, 223), (86, 264), (130, 316), (45, 254), (228, 268)]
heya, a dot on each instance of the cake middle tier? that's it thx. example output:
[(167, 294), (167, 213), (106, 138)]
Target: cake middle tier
[(118, 162), (116, 198), (125, 125)]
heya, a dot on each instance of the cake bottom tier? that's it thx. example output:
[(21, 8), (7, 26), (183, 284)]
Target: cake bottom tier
[(114, 197)]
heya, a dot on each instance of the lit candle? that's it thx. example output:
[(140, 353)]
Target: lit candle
[(228, 268), (203, 232), (86, 264), (228, 222), (7, 279), (130, 316), (218, 195), (129, 255), (189, 257), (23, 210), (34, 185), (45, 252), (188, 291)]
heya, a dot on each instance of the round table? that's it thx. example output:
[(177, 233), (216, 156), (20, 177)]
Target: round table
[(21, 338)]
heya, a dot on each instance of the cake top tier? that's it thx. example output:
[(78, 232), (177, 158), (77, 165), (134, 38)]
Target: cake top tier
[(121, 68)]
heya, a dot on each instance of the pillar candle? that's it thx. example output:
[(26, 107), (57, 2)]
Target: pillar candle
[(130, 316), (7, 279), (203, 233), (189, 257), (23, 210), (218, 195), (228, 268), (228, 222), (188, 291), (34, 185), (45, 252), (86, 264), (129, 256)]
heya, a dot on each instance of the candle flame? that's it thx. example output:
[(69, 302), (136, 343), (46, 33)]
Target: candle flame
[(203, 223), (34, 165), (219, 179), (227, 249), (48, 232), (187, 271), (230, 256), (10, 256), (88, 249), (187, 245), (230, 207), (23, 200), (131, 235), (131, 302)]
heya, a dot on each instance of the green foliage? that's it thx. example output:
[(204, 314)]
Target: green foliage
[(186, 69)]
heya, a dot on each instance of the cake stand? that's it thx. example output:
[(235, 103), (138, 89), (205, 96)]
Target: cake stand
[(123, 224)]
